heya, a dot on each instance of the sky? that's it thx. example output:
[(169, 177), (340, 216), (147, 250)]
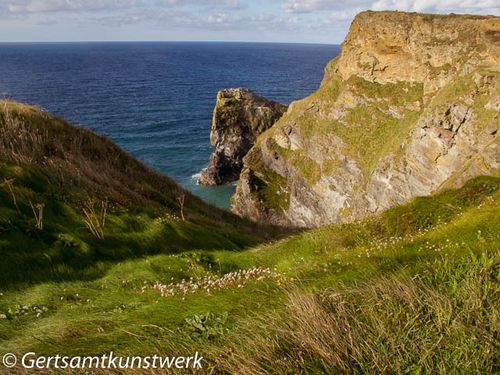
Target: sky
[(292, 21)]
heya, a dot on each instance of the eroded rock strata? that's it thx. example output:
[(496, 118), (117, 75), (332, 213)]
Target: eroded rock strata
[(239, 118), (409, 107)]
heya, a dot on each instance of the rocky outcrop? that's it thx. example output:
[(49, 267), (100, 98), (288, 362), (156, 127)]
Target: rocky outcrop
[(409, 107), (239, 118)]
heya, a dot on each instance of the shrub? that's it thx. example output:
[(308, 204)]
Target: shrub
[(208, 326)]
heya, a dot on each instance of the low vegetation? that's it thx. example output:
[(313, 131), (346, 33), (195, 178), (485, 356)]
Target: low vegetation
[(442, 319), (410, 291)]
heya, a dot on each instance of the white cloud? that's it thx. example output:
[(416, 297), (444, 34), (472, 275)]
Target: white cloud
[(221, 18), (437, 6), (221, 21), (294, 20), (42, 6), (46, 6), (309, 6)]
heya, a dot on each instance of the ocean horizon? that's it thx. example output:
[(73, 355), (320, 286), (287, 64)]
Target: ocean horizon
[(155, 99)]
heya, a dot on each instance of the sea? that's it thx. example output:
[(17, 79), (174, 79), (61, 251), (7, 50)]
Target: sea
[(155, 99)]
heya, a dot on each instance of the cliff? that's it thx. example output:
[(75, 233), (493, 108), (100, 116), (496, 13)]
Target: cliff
[(409, 107), (239, 118)]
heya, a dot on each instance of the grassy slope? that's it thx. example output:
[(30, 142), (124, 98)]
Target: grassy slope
[(433, 237), (44, 160), (76, 164)]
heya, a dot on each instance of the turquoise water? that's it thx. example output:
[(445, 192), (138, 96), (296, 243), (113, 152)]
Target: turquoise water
[(156, 99)]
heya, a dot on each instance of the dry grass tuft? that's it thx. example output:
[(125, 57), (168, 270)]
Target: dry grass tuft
[(182, 200), (96, 221), (37, 210), (425, 324), (8, 185), (18, 143)]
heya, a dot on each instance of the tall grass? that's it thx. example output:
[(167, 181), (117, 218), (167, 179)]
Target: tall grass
[(182, 200), (427, 318), (37, 210), (8, 184), (18, 143), (83, 164), (444, 320), (96, 221)]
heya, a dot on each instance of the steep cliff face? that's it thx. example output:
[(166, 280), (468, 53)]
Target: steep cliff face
[(239, 118), (410, 106)]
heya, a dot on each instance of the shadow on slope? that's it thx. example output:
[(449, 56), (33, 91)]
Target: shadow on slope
[(71, 202)]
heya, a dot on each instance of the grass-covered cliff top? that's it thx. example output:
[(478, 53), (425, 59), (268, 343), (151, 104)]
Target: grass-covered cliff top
[(411, 290), (93, 263), (72, 203), (394, 14), (80, 161)]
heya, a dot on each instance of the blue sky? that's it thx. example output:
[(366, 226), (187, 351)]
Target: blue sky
[(310, 21)]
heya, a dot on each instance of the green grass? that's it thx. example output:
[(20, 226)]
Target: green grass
[(46, 161), (66, 250), (433, 263), (432, 237), (271, 188), (442, 320), (77, 165)]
